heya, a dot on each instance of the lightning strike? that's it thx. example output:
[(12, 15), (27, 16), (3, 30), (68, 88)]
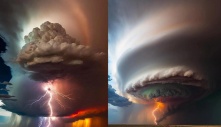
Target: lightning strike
[(50, 91), (39, 98), (50, 107), (42, 121), (154, 111)]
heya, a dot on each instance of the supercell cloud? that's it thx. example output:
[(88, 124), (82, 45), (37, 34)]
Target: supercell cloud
[(51, 45), (51, 55), (147, 36)]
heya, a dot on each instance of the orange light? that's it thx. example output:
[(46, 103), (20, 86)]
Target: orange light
[(158, 106), (94, 121), (85, 112), (89, 122), (82, 123)]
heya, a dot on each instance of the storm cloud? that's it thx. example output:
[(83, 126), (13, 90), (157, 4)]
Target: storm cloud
[(147, 36), (115, 99), (51, 55), (75, 70)]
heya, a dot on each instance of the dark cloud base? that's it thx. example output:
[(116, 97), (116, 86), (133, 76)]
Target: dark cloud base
[(115, 99), (5, 71)]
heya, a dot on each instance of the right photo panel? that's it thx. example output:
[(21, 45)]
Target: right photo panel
[(164, 62)]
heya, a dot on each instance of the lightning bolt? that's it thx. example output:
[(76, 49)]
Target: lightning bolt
[(50, 107), (41, 122), (39, 98), (50, 92), (154, 111)]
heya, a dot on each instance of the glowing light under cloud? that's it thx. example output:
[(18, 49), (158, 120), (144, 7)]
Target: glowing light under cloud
[(158, 106), (88, 122), (95, 121), (50, 91)]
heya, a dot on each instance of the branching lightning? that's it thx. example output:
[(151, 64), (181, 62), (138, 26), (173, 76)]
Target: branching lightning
[(40, 98), (50, 92)]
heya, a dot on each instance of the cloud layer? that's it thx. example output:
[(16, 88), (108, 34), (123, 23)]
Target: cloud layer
[(115, 99), (50, 43), (51, 55)]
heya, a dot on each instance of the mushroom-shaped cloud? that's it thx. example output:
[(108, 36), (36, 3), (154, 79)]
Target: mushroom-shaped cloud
[(50, 44), (51, 56)]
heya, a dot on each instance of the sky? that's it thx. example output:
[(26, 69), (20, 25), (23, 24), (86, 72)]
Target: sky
[(148, 37), (5, 75), (142, 36), (68, 25)]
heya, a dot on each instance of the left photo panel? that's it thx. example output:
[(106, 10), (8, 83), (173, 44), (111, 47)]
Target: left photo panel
[(53, 63)]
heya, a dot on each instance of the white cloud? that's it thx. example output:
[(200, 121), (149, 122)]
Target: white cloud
[(4, 112)]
